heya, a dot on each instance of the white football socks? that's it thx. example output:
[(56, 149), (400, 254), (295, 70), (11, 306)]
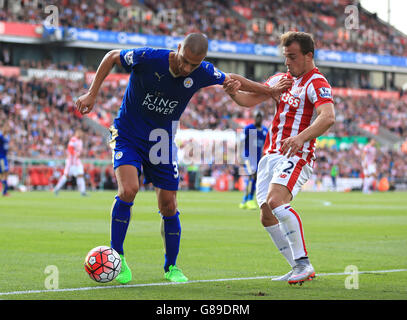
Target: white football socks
[(367, 183), (60, 183), (291, 226), (81, 184), (281, 242)]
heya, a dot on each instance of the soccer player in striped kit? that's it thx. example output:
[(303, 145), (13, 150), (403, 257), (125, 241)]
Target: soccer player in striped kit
[(369, 166), (303, 112), (73, 164)]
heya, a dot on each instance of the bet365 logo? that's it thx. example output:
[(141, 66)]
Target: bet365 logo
[(290, 100)]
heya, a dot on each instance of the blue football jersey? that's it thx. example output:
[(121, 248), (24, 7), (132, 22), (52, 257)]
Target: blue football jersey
[(254, 139), (4, 145), (154, 98)]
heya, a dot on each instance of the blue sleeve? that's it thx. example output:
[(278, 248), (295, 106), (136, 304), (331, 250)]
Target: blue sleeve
[(246, 140), (132, 57), (213, 75)]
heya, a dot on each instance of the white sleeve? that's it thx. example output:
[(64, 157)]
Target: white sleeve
[(273, 79)]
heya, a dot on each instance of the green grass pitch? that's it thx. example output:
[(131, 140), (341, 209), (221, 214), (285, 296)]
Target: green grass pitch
[(219, 241)]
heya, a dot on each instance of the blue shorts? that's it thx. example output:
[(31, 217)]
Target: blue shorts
[(163, 175), (3, 165)]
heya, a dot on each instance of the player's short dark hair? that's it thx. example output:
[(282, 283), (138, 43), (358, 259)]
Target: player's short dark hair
[(197, 43), (305, 40), (258, 113)]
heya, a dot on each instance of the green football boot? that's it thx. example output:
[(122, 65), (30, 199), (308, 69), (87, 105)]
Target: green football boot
[(175, 275), (251, 205), (243, 205), (125, 273)]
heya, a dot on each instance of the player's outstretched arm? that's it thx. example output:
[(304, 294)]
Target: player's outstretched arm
[(243, 98), (259, 88), (238, 92), (86, 102)]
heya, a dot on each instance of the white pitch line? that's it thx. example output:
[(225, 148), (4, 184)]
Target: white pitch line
[(180, 283)]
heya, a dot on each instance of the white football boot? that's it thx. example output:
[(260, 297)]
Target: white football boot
[(283, 277), (303, 271)]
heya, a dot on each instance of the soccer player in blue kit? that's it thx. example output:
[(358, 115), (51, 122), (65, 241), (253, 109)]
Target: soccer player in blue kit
[(142, 136), (254, 136), (4, 146)]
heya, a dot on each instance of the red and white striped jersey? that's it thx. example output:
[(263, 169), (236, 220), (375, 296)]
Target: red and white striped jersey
[(74, 150), (368, 155), (296, 110)]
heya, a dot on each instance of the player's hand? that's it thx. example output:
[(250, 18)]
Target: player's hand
[(282, 85), (85, 103), (231, 86), (290, 146)]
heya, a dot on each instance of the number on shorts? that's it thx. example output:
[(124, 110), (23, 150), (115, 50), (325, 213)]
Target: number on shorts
[(288, 169), (176, 172)]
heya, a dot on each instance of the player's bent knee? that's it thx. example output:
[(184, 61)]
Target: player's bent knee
[(267, 217), (128, 193), (274, 202), (168, 208)]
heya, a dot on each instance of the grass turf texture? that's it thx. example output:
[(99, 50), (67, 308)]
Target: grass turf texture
[(219, 241)]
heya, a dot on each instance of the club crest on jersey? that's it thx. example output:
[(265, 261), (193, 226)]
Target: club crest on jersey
[(188, 82), (118, 155), (296, 92), (128, 57), (325, 93)]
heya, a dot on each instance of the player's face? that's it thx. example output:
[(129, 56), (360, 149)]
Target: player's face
[(295, 60), (258, 120), (187, 61), (78, 133)]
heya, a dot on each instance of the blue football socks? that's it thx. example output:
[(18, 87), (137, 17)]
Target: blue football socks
[(120, 221), (171, 234), (5, 187), (252, 188)]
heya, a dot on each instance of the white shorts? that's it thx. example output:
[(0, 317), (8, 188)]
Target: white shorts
[(275, 168), (73, 170), (369, 170)]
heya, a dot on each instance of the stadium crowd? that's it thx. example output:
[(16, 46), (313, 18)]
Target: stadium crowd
[(258, 21), (354, 112), (42, 117), (391, 164)]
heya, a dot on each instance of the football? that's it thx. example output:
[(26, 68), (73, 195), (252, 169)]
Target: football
[(102, 264)]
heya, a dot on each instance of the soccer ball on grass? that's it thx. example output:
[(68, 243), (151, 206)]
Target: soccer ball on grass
[(103, 264)]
